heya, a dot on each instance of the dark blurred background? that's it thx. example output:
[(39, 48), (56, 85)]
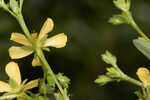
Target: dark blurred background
[(89, 34)]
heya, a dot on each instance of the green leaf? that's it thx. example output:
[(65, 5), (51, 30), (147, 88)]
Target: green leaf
[(143, 46), (109, 58), (64, 80)]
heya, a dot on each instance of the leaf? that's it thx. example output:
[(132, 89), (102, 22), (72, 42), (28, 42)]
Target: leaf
[(143, 46)]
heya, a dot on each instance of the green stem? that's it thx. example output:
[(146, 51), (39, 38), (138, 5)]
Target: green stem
[(135, 26), (127, 78), (46, 67), (20, 20), (131, 80), (50, 72)]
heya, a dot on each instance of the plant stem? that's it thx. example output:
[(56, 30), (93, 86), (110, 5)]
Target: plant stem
[(127, 78), (131, 80), (135, 26), (20, 20), (46, 67), (50, 72)]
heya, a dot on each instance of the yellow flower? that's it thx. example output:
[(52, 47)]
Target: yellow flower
[(57, 41), (144, 75), (13, 72)]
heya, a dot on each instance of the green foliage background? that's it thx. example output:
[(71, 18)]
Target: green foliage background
[(89, 35)]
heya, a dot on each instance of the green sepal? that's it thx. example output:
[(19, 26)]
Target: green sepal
[(28, 48), (13, 84), (43, 39), (46, 49), (143, 46), (24, 82), (14, 5)]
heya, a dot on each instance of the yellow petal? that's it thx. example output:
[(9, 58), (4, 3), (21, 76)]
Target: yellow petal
[(36, 61), (4, 87), (57, 41), (16, 52), (31, 84), (12, 70), (19, 38), (46, 28), (144, 75)]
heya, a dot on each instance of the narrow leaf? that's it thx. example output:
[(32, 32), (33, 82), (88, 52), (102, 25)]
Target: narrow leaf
[(143, 46)]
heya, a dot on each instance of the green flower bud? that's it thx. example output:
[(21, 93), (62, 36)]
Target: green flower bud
[(118, 19), (123, 5), (109, 58), (103, 79)]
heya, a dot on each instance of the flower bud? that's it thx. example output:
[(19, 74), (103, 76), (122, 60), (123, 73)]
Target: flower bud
[(123, 5)]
